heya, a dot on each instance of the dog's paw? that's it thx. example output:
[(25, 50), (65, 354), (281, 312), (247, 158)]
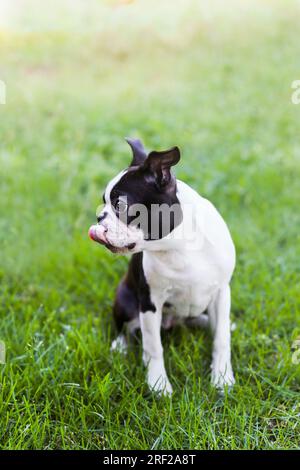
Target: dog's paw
[(157, 378), (119, 345), (222, 376), (160, 385)]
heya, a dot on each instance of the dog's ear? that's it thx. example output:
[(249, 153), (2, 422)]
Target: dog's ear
[(160, 163), (138, 151)]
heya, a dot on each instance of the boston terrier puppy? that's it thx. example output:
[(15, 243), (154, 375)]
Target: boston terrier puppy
[(182, 260)]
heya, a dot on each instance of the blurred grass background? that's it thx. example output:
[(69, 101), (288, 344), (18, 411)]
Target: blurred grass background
[(213, 78)]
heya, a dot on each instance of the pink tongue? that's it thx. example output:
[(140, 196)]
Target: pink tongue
[(97, 233)]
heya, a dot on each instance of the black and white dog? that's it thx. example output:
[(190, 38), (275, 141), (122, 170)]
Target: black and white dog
[(182, 263)]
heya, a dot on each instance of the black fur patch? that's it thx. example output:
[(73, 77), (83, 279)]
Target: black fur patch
[(139, 186), (133, 293)]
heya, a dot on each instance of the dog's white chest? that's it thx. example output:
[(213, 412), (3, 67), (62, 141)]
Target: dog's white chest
[(189, 299), (188, 281)]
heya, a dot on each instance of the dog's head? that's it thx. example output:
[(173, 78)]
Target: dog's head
[(140, 203)]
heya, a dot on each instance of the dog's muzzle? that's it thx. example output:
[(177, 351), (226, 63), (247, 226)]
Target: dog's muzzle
[(98, 234)]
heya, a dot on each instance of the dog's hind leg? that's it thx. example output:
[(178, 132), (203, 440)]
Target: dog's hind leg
[(119, 344), (126, 315), (201, 321)]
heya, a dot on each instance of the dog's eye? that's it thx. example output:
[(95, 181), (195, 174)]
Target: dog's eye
[(121, 206)]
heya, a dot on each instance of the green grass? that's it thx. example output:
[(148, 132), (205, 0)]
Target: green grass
[(219, 87)]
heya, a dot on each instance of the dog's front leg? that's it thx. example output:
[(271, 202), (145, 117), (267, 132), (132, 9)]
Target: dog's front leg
[(219, 315), (153, 351)]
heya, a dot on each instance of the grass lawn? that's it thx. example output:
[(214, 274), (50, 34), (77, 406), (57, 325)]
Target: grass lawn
[(217, 83)]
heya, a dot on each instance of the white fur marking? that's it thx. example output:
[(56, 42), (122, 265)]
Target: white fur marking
[(119, 344)]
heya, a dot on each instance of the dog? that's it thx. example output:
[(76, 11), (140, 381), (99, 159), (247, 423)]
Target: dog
[(183, 258)]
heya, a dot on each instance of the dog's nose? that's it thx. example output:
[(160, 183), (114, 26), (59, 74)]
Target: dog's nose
[(98, 234)]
